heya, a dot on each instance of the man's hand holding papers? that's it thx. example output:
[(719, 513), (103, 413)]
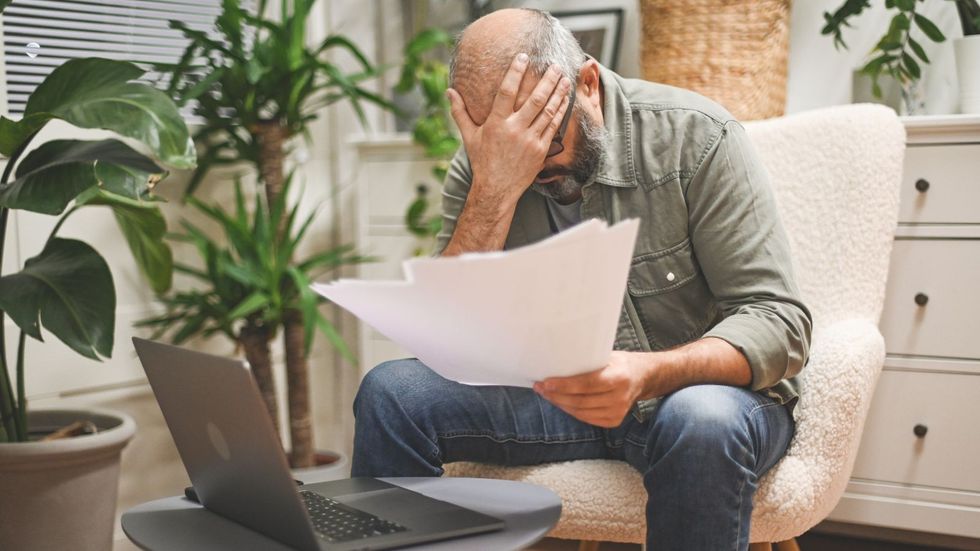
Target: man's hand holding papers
[(505, 318)]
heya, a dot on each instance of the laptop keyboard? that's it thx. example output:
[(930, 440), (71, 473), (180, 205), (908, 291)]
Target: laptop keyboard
[(337, 522)]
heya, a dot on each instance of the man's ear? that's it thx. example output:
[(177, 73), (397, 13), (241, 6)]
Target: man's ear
[(589, 82)]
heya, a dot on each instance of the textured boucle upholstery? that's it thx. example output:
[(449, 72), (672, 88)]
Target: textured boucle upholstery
[(835, 173)]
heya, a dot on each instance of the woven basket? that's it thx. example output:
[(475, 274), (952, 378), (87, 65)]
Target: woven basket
[(732, 51)]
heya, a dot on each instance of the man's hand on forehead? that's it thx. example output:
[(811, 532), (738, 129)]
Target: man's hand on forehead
[(508, 150)]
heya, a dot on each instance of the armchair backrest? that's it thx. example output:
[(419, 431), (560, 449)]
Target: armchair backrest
[(835, 173)]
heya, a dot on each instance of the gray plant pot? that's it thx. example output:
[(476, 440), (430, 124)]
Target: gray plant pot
[(62, 494)]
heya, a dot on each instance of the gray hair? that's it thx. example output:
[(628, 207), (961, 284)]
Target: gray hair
[(543, 39)]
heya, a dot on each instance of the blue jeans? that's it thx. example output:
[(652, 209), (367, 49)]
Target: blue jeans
[(701, 453)]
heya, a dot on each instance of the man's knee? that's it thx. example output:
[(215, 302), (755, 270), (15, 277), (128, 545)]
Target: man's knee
[(703, 420), (392, 384)]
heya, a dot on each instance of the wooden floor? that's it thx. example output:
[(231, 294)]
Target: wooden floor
[(808, 542), (823, 542)]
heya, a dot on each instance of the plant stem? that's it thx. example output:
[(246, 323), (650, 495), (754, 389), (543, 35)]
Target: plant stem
[(60, 222), (255, 341), (301, 452), (271, 137), (7, 405), (21, 393), (7, 401)]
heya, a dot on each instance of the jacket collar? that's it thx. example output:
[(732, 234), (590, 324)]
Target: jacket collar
[(617, 168)]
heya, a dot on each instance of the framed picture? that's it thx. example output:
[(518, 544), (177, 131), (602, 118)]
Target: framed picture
[(598, 31)]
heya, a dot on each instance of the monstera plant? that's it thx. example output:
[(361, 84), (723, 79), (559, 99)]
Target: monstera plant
[(67, 288), (59, 468)]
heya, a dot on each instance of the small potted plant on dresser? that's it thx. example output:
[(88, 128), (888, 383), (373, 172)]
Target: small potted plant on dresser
[(899, 54), (968, 56), (59, 469)]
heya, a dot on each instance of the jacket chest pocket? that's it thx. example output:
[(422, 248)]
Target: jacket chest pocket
[(672, 299)]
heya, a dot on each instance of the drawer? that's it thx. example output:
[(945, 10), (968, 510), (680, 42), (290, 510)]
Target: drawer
[(947, 407), (952, 174), (945, 274), (389, 188)]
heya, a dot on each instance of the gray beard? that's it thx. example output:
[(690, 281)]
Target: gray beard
[(590, 152)]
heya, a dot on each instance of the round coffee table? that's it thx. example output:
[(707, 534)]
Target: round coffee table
[(528, 510)]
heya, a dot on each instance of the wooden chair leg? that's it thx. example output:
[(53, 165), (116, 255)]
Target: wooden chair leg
[(788, 545), (760, 546), (588, 545)]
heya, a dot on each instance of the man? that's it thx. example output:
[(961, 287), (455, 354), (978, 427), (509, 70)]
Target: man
[(698, 395)]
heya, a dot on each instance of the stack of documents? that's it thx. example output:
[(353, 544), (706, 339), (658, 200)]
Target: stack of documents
[(505, 318)]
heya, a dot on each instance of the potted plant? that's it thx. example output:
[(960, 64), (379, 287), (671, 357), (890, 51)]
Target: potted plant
[(261, 86), (59, 469), (967, 51), (898, 54), (423, 71)]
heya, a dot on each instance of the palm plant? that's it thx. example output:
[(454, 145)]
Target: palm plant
[(250, 275), (255, 87), (67, 288)]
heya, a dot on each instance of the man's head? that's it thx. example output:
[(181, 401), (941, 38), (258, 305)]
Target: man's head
[(484, 52)]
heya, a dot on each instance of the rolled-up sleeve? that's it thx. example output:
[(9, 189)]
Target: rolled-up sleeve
[(744, 254), (454, 192)]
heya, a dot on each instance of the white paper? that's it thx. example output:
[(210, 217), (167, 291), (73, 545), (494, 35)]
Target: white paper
[(505, 318)]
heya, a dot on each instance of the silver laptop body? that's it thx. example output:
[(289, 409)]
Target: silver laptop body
[(239, 471)]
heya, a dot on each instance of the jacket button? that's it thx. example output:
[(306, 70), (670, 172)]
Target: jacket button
[(670, 276)]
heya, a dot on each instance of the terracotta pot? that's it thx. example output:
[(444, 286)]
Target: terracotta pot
[(62, 494)]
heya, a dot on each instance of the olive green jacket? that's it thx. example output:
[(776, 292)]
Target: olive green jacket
[(711, 258)]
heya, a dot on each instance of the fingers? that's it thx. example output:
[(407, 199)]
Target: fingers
[(586, 383), (549, 120), (604, 400), (539, 97), (460, 114), (503, 102)]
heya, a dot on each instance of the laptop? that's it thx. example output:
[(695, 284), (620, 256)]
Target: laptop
[(239, 471)]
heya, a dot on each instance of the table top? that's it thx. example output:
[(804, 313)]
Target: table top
[(528, 510)]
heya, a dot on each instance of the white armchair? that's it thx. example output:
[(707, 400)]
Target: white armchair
[(836, 175)]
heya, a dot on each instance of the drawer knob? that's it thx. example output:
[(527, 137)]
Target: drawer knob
[(920, 430), (922, 185), (921, 299)]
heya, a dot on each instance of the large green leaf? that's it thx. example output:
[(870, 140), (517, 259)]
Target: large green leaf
[(68, 289), (144, 227), (97, 93), (14, 133), (52, 175)]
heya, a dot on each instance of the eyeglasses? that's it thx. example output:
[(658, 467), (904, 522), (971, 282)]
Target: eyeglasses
[(557, 146)]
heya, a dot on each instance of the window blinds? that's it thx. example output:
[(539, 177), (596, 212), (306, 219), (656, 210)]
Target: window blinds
[(59, 30)]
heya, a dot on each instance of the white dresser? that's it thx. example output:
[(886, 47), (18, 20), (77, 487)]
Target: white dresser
[(918, 467)]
